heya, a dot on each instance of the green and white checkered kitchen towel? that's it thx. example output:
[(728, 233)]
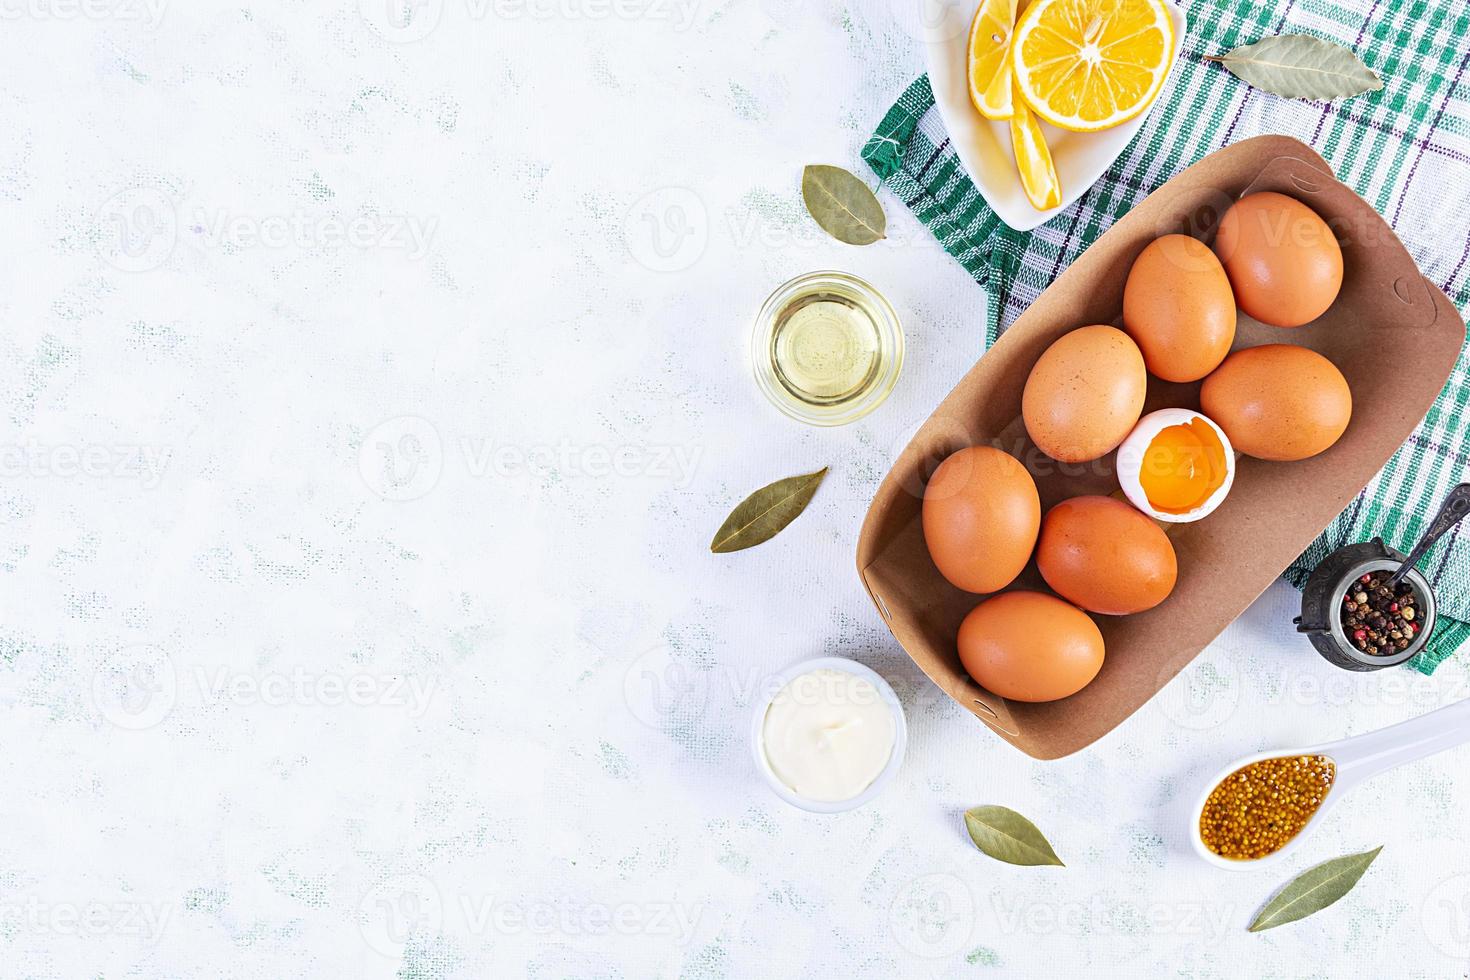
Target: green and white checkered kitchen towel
[(1405, 148)]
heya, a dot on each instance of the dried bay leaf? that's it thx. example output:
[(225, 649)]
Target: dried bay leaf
[(763, 514), (1314, 889), (1007, 836), (1299, 66), (843, 205)]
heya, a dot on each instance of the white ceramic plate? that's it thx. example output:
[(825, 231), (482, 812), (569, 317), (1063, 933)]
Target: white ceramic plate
[(984, 146)]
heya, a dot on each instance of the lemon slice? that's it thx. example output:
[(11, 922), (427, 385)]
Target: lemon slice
[(990, 58), (1086, 65), (1033, 160)]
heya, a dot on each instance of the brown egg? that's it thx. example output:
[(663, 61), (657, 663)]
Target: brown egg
[(1084, 394), (1283, 261), (981, 513), (1029, 646), (1178, 307), (1279, 401), (1106, 556)]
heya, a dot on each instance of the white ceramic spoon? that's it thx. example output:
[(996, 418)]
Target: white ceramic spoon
[(1358, 759)]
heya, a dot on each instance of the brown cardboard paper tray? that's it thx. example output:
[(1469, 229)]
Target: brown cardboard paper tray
[(1394, 335)]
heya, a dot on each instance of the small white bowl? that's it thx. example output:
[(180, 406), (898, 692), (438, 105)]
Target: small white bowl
[(895, 758), (984, 145)]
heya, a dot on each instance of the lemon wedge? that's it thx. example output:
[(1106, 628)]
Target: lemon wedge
[(990, 58), (1033, 160), (1086, 65)]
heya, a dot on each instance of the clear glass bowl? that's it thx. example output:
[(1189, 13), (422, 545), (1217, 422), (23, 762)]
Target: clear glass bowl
[(770, 358)]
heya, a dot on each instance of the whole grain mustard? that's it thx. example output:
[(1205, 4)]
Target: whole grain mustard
[(1258, 808)]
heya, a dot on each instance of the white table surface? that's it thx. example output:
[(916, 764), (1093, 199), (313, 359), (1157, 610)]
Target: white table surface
[(272, 710)]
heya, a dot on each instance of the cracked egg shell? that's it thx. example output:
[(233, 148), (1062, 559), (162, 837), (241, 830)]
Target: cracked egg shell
[(1176, 465)]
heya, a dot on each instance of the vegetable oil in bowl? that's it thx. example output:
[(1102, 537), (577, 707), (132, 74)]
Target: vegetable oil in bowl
[(827, 348)]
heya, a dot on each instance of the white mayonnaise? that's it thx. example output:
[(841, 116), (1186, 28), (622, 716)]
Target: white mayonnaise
[(828, 734)]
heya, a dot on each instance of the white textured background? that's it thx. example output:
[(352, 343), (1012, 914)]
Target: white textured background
[(370, 393)]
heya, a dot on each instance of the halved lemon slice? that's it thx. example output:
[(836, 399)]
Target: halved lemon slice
[(990, 58), (1033, 160), (1086, 65)]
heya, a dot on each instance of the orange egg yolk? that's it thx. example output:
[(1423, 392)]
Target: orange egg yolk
[(1182, 467)]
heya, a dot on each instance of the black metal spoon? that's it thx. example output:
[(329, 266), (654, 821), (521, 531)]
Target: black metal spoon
[(1456, 505)]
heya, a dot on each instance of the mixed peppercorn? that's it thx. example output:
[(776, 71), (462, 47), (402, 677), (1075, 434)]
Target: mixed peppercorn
[(1379, 619), (1257, 809)]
